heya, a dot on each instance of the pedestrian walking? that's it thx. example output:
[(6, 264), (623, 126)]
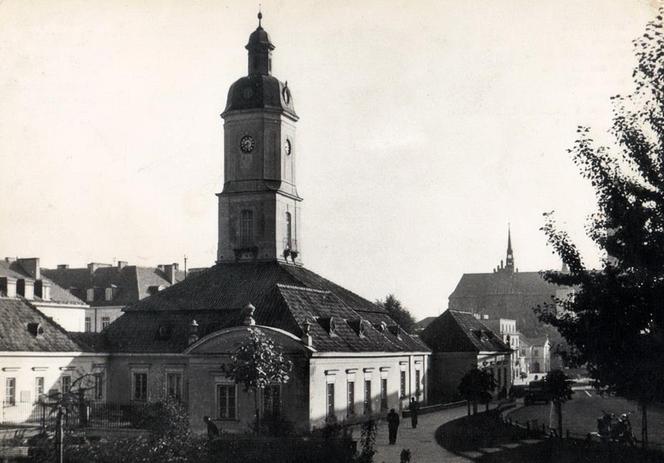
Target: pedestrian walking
[(212, 429), (414, 407), (393, 426)]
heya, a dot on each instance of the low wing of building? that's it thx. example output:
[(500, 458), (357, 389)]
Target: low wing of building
[(460, 342)]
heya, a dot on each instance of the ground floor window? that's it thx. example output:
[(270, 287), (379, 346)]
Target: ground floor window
[(330, 399), (367, 396), (226, 401), (402, 386), (65, 383), (99, 386), (272, 400), (10, 392), (174, 385), (418, 380), (351, 399), (39, 386), (383, 394), (140, 386), (105, 321), (88, 324)]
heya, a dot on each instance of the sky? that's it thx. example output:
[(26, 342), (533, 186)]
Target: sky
[(425, 128)]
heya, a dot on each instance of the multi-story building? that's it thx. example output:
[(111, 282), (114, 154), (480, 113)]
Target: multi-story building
[(22, 277), (107, 288), (351, 360)]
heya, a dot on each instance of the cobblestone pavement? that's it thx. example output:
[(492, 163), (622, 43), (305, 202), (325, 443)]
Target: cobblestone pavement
[(420, 441)]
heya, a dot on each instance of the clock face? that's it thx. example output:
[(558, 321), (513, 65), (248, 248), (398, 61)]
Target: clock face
[(288, 147), (247, 144), (286, 94)]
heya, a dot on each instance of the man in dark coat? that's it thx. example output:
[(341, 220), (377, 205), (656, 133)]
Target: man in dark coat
[(393, 425), (212, 429), (414, 407)]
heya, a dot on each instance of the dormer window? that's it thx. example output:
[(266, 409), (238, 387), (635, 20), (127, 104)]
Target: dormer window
[(359, 326), (329, 324), (164, 332), (35, 329)]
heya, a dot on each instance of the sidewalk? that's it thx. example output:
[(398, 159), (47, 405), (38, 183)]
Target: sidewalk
[(420, 441)]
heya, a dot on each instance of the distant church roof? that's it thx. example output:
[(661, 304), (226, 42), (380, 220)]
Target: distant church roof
[(286, 296)]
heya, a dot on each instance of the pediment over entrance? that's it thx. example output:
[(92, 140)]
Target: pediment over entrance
[(227, 340)]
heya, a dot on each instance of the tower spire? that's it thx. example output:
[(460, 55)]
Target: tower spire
[(509, 258), (260, 15)]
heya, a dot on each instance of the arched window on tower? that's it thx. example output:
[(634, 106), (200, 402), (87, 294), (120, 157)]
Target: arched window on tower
[(289, 231), (247, 227)]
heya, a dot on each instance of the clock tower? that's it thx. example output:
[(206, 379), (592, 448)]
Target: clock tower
[(259, 208)]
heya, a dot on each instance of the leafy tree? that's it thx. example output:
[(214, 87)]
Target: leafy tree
[(398, 312), (256, 364), (476, 386), (614, 323), (557, 386)]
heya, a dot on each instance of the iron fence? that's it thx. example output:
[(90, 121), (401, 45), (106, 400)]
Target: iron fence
[(84, 414)]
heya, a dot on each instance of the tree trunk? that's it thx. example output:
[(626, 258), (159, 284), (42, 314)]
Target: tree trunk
[(486, 409), (258, 417), (644, 424), (474, 407), (59, 436), (468, 405), (559, 413)]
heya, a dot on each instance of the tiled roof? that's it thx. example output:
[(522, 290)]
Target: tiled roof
[(130, 282), (285, 296), (455, 331), (58, 294), (424, 323), (15, 316), (506, 295), (482, 284)]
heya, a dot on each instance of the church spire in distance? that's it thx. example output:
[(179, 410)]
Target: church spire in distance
[(509, 258)]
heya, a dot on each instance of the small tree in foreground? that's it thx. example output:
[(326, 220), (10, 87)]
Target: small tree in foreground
[(614, 323), (476, 386), (558, 387), (256, 364)]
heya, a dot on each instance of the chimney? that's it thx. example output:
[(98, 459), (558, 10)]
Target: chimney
[(63, 266), (25, 288), (8, 286), (306, 337), (43, 290), (122, 264), (169, 270), (193, 332), (31, 266), (93, 266)]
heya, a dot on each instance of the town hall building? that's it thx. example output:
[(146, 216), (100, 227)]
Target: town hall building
[(351, 359)]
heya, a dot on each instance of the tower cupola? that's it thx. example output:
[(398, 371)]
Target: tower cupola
[(260, 50)]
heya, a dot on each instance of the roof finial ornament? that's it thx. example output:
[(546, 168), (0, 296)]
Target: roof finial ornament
[(260, 15)]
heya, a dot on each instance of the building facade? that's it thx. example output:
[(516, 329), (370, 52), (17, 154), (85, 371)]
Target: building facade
[(38, 357), (461, 342), (23, 278), (108, 288), (351, 360)]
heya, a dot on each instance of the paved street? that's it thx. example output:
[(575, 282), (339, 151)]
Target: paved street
[(420, 441)]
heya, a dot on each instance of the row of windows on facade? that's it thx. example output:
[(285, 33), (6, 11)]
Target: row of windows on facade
[(105, 321), (247, 228), (368, 402), (226, 394), (65, 384)]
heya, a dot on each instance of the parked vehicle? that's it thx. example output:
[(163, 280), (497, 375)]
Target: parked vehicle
[(536, 392)]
